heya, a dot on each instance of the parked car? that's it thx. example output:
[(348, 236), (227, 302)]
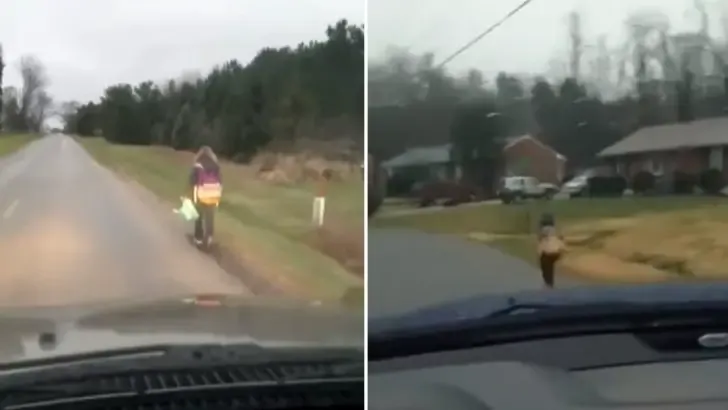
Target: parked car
[(516, 188), (579, 185)]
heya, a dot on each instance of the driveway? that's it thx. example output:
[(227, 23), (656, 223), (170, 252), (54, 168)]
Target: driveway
[(409, 269), (71, 232)]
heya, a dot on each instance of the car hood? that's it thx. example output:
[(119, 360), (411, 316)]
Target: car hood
[(482, 306), (197, 319), (575, 183)]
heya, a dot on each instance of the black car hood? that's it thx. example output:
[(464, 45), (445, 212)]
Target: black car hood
[(188, 320), (482, 306)]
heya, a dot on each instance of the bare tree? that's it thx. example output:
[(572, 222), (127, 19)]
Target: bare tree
[(68, 112), (601, 74), (2, 67), (724, 27), (576, 44), (11, 109), (702, 10), (34, 101), (646, 54), (39, 110)]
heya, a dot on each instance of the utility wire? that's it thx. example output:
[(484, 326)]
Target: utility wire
[(485, 33)]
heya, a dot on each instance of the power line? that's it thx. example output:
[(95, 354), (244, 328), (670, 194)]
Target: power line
[(485, 33)]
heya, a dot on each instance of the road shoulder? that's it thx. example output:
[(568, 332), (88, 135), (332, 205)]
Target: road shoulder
[(268, 262)]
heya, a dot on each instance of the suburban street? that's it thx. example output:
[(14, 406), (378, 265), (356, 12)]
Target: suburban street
[(410, 269), (71, 232)]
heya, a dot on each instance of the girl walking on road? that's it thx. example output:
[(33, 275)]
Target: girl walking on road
[(550, 248), (206, 185)]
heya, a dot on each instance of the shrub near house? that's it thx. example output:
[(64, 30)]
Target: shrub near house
[(643, 182), (712, 181), (684, 183), (450, 192), (692, 154), (606, 186)]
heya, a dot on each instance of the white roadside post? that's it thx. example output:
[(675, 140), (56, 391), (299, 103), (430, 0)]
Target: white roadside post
[(319, 201), (319, 208)]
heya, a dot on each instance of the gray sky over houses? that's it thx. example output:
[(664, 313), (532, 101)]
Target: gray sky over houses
[(88, 45), (527, 43)]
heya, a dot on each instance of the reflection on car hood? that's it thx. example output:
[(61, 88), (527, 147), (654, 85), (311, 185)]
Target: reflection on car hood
[(482, 306), (576, 182), (215, 319)]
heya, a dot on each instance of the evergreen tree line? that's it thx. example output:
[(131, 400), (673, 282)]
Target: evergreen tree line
[(314, 91)]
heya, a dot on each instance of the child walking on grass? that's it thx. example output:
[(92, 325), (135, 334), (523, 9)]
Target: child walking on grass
[(550, 248)]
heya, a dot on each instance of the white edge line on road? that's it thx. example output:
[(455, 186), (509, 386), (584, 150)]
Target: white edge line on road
[(9, 211)]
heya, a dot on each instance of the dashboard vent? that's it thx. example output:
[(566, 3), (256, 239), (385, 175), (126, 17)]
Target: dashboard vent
[(240, 387)]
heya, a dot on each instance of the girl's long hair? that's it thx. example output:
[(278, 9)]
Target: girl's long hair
[(205, 151)]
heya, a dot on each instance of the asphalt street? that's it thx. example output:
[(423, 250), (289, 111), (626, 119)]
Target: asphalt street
[(71, 232), (410, 269)]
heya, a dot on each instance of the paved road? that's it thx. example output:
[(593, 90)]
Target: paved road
[(71, 232), (409, 269)]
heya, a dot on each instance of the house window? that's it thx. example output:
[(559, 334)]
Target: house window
[(655, 166), (620, 167), (715, 160)]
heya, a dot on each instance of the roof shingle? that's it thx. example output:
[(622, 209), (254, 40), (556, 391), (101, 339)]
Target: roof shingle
[(439, 154), (700, 133)]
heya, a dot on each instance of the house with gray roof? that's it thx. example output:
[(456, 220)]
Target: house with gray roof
[(523, 155), (423, 163), (690, 147)]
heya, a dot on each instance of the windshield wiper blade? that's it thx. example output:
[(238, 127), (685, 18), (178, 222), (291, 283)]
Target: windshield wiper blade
[(516, 308), (524, 308), (60, 392)]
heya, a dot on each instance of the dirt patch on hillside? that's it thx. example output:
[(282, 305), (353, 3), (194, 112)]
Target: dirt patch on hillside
[(670, 246), (285, 168), (347, 248), (607, 267), (304, 167)]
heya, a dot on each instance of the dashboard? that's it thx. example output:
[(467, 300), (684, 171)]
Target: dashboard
[(620, 371)]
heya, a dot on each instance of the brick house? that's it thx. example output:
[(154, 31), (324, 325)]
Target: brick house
[(527, 156), (691, 147), (524, 155)]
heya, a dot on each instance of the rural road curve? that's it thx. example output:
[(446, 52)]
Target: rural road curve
[(408, 269), (71, 232)]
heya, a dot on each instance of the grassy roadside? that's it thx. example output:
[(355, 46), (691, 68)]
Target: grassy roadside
[(266, 225), (616, 240), (518, 219), (10, 143)]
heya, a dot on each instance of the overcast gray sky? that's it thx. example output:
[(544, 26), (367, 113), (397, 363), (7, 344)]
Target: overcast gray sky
[(525, 44), (87, 45)]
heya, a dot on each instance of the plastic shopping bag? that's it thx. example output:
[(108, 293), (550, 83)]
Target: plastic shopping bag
[(187, 210)]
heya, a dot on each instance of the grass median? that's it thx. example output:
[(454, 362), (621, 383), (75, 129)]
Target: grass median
[(635, 239), (10, 143), (266, 224)]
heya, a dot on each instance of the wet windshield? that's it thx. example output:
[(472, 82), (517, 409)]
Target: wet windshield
[(624, 101), (168, 160)]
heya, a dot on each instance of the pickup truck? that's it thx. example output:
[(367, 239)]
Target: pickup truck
[(516, 188)]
